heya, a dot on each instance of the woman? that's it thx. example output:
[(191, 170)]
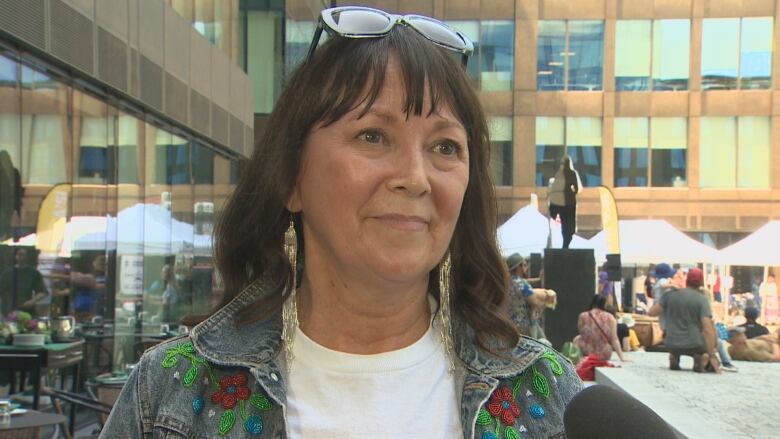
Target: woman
[(526, 302), (563, 198), (364, 291), (598, 331)]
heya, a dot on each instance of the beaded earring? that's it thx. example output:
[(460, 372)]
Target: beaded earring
[(445, 268), (290, 307)]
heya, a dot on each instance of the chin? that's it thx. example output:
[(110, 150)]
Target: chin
[(404, 271)]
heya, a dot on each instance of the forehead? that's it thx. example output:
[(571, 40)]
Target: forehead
[(395, 96)]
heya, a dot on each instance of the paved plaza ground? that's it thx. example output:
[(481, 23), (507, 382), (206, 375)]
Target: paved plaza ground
[(745, 404)]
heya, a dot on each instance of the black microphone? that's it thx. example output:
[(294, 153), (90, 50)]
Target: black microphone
[(606, 413)]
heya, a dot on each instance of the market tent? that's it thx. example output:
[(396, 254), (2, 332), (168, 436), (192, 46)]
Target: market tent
[(528, 230), (654, 241), (161, 233), (760, 248), (525, 232)]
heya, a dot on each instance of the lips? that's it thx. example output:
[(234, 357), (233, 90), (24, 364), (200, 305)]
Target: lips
[(403, 222)]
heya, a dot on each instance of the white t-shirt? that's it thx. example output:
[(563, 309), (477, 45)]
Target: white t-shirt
[(403, 393)]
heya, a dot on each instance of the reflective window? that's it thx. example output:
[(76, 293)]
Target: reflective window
[(753, 151), (550, 148), (111, 214), (496, 55), (491, 65), (261, 52), (91, 152), (671, 54), (585, 55), (570, 55), (583, 145), (718, 152), (128, 135), (298, 36), (632, 55), (551, 56), (11, 189), (471, 29), (720, 53), (44, 128), (631, 151), (501, 150), (668, 150), (755, 60), (736, 53), (579, 137), (216, 20), (734, 152)]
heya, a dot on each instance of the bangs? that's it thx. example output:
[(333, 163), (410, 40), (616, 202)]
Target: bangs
[(356, 80)]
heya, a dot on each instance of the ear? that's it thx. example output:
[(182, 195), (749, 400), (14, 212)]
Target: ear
[(294, 203)]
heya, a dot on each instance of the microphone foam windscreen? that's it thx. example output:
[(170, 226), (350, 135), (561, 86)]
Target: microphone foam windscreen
[(606, 413)]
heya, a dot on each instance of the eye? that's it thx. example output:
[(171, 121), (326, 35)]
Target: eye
[(447, 148), (372, 136)]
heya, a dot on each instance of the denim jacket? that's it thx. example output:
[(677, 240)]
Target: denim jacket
[(224, 380)]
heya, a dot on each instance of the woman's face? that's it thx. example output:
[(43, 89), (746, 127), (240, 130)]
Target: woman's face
[(380, 195)]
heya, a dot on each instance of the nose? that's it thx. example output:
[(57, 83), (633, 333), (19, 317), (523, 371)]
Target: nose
[(410, 172)]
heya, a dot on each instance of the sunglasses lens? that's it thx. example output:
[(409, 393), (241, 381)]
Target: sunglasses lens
[(360, 21), (439, 32)]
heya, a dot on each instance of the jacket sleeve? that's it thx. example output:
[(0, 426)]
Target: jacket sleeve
[(125, 420)]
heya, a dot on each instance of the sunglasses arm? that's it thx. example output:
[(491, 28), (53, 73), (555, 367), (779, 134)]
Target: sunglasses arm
[(315, 41)]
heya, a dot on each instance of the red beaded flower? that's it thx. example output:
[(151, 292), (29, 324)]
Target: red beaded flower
[(503, 406), (231, 389)]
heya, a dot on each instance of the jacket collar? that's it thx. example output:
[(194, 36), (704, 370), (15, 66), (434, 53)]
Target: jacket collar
[(259, 343)]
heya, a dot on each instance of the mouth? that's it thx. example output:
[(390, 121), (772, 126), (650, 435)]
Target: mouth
[(409, 223)]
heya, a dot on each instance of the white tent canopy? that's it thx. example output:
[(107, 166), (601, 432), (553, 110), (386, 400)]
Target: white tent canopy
[(160, 233), (528, 230), (760, 248), (654, 241), (525, 232)]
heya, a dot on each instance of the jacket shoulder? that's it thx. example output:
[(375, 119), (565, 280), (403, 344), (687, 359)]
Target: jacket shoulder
[(532, 402)]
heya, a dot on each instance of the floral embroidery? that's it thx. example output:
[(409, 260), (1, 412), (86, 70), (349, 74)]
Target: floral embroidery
[(232, 388), (254, 425), (536, 411), (503, 406), (230, 392), (501, 412), (197, 405)]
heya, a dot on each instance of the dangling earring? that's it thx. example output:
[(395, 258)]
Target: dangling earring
[(290, 307), (445, 268)]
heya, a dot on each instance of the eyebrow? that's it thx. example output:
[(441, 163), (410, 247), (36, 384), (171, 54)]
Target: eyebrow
[(390, 117)]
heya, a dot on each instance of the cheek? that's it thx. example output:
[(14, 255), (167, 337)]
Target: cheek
[(451, 194)]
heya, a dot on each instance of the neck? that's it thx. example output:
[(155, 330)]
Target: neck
[(359, 317)]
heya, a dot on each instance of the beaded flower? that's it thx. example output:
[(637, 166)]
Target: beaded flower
[(231, 392), (503, 406), (232, 388)]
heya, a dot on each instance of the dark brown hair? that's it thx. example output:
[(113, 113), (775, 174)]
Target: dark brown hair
[(345, 74)]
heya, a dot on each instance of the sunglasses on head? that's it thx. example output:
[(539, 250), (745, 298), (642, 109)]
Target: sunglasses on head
[(362, 22)]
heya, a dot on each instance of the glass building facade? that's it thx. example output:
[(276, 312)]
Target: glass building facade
[(112, 204)]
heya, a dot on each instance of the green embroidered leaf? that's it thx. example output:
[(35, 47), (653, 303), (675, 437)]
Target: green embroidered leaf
[(541, 386), (170, 360), (484, 418), (260, 402), (187, 348), (226, 422), (511, 433), (190, 376), (242, 409), (555, 364), (516, 388)]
